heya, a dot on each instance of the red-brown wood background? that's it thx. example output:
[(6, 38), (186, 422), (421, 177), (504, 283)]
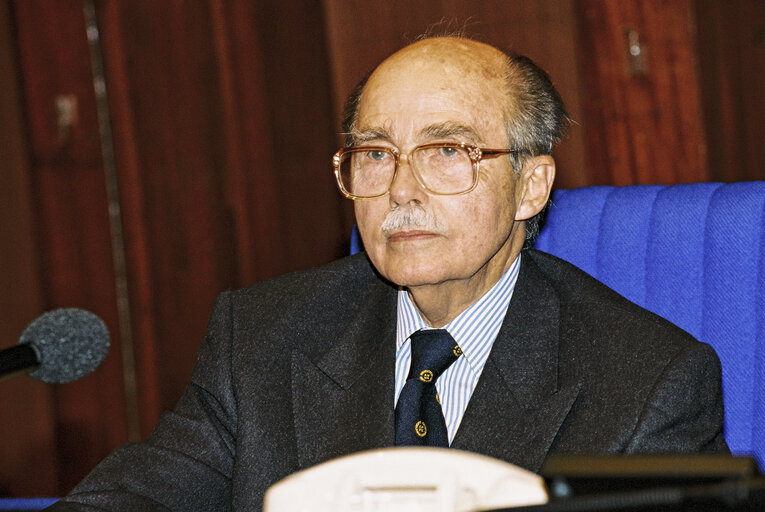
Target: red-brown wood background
[(224, 115)]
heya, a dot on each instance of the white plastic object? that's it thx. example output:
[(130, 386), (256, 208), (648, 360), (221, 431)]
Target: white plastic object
[(406, 480)]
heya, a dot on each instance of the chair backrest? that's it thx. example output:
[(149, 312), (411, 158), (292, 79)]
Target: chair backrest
[(19, 504), (695, 255)]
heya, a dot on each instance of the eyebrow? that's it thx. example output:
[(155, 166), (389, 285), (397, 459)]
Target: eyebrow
[(450, 129), (444, 130), (364, 136)]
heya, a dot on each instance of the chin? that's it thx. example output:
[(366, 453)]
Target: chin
[(410, 276), (411, 267)]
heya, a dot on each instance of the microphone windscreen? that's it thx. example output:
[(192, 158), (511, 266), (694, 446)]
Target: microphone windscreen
[(70, 343)]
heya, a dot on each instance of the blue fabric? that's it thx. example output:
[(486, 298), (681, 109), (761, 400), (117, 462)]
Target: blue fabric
[(694, 254), (356, 244), (577, 224), (18, 504), (623, 240), (674, 279)]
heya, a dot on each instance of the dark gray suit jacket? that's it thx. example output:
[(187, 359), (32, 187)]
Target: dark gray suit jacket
[(299, 369)]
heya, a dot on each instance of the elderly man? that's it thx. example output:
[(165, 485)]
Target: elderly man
[(446, 333)]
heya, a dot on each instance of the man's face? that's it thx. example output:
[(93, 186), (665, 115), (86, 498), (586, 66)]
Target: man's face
[(435, 96)]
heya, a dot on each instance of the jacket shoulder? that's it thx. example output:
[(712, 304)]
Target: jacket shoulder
[(311, 303), (595, 301), (657, 387)]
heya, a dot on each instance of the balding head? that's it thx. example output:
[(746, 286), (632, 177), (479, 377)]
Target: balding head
[(534, 113), (457, 57)]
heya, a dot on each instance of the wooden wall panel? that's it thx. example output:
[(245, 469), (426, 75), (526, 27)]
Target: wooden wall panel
[(160, 59), (731, 55), (222, 156), (223, 152), (644, 124), (27, 428), (142, 374), (299, 105), (71, 222)]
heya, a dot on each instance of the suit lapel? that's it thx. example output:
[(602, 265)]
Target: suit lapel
[(520, 402), (343, 402)]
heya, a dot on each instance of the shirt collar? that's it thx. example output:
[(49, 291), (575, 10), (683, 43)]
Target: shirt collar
[(474, 329)]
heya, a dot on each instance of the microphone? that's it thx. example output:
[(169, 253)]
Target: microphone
[(60, 346)]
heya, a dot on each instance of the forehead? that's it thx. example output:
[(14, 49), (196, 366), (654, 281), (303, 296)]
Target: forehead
[(425, 91)]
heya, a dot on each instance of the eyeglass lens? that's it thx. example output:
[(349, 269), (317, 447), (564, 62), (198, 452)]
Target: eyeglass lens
[(442, 169)]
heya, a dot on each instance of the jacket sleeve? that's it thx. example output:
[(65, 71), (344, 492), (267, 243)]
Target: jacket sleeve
[(684, 410), (186, 464)]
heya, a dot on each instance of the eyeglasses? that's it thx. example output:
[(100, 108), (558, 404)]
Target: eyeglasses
[(444, 168)]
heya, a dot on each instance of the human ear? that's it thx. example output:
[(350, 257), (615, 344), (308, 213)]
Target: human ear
[(534, 186)]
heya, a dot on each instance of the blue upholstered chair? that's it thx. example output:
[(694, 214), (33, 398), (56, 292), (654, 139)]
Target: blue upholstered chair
[(694, 254), (19, 504)]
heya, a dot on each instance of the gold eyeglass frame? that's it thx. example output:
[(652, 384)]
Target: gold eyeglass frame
[(475, 154)]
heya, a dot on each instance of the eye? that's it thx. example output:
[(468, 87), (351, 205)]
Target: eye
[(377, 154), (449, 151)]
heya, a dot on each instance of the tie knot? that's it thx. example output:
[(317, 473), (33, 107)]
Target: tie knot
[(433, 351)]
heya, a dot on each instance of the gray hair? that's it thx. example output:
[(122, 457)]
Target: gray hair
[(536, 119)]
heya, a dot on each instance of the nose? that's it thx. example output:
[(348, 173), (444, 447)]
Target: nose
[(405, 187)]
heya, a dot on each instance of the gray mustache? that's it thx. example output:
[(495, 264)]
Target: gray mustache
[(410, 217)]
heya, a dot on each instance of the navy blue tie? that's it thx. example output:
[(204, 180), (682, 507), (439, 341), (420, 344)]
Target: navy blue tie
[(419, 419)]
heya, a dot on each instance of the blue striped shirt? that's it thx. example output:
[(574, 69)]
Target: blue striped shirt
[(474, 330)]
